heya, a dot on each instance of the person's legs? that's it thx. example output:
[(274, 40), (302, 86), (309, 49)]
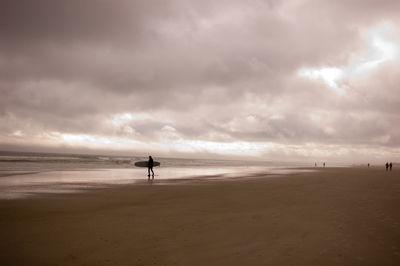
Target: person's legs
[(148, 170), (151, 171)]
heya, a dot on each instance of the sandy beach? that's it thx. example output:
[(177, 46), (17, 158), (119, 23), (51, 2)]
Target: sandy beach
[(337, 216)]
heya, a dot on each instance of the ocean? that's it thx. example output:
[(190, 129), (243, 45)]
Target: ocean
[(24, 174)]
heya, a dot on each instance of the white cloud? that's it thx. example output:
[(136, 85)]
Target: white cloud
[(329, 75), (382, 50)]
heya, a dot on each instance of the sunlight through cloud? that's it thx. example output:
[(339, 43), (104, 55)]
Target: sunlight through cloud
[(382, 50), (328, 75)]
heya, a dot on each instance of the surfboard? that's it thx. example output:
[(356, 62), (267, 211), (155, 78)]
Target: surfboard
[(144, 163)]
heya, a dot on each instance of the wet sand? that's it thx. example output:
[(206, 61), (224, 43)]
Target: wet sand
[(338, 216)]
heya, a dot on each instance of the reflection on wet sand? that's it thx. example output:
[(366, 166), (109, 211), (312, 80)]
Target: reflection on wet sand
[(19, 186)]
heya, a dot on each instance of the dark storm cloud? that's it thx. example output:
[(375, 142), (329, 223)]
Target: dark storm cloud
[(202, 70), (134, 46), (77, 21)]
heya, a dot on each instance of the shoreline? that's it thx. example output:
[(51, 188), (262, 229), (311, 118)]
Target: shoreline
[(33, 184), (336, 216)]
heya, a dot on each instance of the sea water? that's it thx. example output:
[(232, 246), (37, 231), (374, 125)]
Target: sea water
[(28, 174)]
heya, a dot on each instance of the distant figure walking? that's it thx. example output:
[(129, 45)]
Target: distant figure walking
[(324, 164), (150, 167), (315, 164), (368, 164), (387, 165), (390, 166)]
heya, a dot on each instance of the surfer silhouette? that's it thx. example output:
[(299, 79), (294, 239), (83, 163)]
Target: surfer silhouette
[(150, 164)]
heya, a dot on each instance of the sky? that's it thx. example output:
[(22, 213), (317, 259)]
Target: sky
[(300, 80)]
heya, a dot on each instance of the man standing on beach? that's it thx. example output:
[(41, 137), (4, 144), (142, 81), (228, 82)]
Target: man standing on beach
[(387, 165), (150, 166), (390, 166)]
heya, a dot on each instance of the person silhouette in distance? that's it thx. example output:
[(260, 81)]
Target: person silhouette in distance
[(150, 164)]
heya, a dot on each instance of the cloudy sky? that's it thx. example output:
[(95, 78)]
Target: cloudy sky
[(270, 80)]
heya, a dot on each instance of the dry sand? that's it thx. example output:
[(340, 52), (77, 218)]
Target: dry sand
[(339, 216)]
